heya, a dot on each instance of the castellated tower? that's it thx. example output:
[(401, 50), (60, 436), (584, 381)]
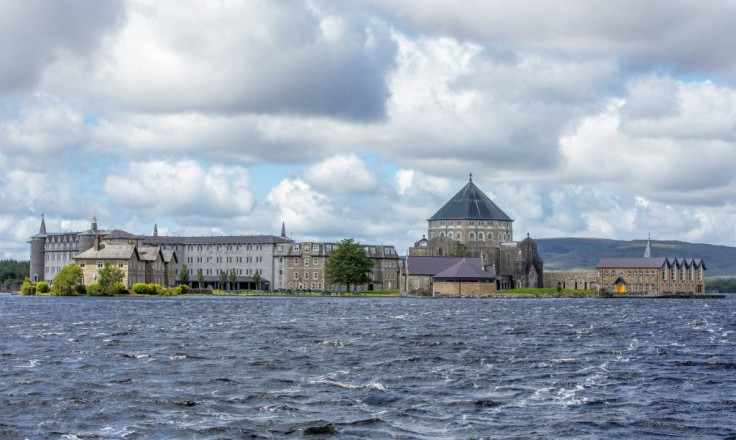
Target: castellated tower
[(38, 243)]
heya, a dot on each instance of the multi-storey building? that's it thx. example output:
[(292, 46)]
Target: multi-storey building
[(649, 275), (240, 256), (243, 255), (301, 266)]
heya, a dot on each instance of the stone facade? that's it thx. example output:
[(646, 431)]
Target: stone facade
[(123, 256), (471, 225), (463, 289), (572, 279), (651, 276), (301, 266)]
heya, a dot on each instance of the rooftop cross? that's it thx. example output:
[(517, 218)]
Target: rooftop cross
[(471, 177)]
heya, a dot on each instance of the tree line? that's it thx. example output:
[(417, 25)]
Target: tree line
[(13, 271)]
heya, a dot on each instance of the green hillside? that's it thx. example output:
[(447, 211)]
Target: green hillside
[(584, 253)]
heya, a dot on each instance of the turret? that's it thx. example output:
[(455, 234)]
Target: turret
[(38, 245), (283, 229)]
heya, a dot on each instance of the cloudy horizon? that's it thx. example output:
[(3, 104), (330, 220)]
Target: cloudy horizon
[(362, 118)]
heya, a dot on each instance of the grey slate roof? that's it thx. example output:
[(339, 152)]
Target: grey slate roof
[(646, 263), (221, 240), (433, 265), (466, 271), (109, 251), (470, 203)]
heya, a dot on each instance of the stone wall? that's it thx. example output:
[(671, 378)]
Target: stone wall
[(460, 288), (572, 279)]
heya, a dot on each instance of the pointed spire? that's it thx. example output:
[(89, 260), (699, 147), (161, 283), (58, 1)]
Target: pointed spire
[(42, 229), (648, 249), (155, 230), (283, 229)]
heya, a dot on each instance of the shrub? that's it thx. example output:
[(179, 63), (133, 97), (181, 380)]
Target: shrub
[(27, 288), (184, 288), (174, 291), (81, 289), (141, 289), (42, 287), (156, 289), (94, 289), (119, 288)]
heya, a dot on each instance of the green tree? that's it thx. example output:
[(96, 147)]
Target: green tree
[(233, 278), (108, 275), (348, 264), (200, 278), (67, 280), (27, 288), (257, 280), (184, 275), (223, 278)]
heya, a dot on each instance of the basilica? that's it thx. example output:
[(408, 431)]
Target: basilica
[(471, 227)]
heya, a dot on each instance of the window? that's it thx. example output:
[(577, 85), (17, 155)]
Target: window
[(296, 247), (306, 248), (296, 275), (471, 236), (120, 264), (692, 270), (296, 261), (81, 264), (664, 273), (700, 273), (481, 236), (280, 248), (314, 275), (314, 261), (99, 264), (306, 261)]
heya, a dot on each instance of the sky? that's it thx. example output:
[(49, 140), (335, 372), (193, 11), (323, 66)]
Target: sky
[(360, 119)]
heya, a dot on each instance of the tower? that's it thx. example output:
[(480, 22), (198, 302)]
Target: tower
[(648, 249), (38, 244)]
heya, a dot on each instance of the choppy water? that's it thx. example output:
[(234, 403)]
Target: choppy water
[(211, 368)]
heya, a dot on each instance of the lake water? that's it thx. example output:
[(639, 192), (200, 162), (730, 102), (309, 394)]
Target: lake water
[(228, 367)]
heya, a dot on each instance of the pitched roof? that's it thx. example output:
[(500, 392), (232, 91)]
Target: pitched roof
[(109, 251), (647, 263), (433, 265), (470, 203), (221, 240), (466, 271)]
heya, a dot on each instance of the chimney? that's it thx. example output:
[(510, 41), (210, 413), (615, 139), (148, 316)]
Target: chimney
[(483, 261), (96, 245)]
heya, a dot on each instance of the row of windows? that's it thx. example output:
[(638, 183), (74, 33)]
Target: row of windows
[(60, 256), (472, 237), (226, 247), (487, 223)]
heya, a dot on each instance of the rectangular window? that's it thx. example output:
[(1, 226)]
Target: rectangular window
[(120, 264), (81, 264), (99, 264), (280, 248), (296, 247), (314, 275)]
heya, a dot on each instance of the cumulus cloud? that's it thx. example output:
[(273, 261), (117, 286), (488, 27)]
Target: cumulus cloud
[(34, 33), (342, 174), (240, 57), (181, 188)]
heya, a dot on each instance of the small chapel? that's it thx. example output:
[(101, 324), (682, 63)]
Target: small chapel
[(471, 226)]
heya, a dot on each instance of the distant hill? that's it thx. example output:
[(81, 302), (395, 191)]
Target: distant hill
[(584, 253)]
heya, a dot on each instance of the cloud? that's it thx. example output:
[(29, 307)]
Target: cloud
[(681, 35), (239, 57), (35, 33), (341, 175), (181, 188)]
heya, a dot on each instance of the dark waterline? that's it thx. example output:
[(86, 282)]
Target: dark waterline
[(202, 367)]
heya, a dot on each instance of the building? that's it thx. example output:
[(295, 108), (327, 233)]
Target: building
[(651, 276), (471, 225), (123, 256), (242, 255), (301, 266), (447, 276)]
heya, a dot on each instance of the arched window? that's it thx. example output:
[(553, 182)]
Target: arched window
[(442, 234), (459, 237), (471, 236), (490, 236), (481, 236), (449, 235)]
